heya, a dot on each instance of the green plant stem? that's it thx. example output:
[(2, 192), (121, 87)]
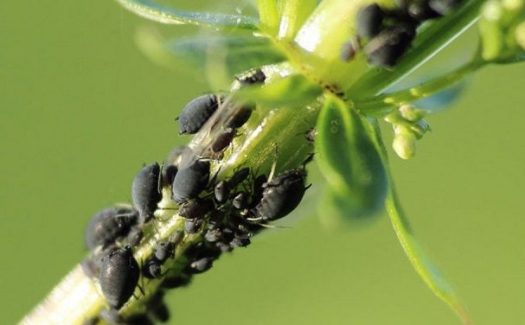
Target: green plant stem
[(383, 104), (270, 136), (77, 298)]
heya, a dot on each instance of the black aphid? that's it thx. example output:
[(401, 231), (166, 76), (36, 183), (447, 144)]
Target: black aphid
[(152, 268), (310, 135), (258, 189), (221, 191), (386, 48), (348, 51), (197, 112), (420, 10), (192, 226), (240, 200), (145, 191), (157, 307), (239, 176), (201, 250), (190, 181), (241, 116), (160, 311), (240, 242), (196, 209), (224, 247), (177, 281), (223, 140), (369, 21), (227, 234), (213, 235), (254, 77), (281, 195), (443, 7), (138, 319), (135, 236), (176, 237), (215, 218), (108, 225), (164, 250), (119, 275), (201, 265), (168, 174)]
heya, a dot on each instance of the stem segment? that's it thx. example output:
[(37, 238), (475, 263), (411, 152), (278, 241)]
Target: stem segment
[(386, 103)]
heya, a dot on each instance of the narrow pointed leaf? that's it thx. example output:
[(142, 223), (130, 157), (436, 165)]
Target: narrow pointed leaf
[(349, 158), (421, 263), (238, 53), (168, 15), (428, 272), (294, 14), (442, 99), (336, 212)]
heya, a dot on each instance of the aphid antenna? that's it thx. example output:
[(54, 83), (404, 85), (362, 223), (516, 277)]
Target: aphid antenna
[(159, 179), (266, 225), (214, 178), (207, 195)]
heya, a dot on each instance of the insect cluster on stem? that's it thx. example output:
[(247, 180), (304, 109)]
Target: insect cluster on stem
[(385, 34), (226, 212)]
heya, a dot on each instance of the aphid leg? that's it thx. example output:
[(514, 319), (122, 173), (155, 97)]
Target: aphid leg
[(308, 159), (141, 284), (274, 165), (214, 178), (266, 225)]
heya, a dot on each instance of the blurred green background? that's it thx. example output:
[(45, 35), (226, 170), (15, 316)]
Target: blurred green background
[(82, 109)]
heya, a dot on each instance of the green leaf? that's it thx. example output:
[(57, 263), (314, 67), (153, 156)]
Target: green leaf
[(294, 14), (419, 260), (291, 91), (421, 263), (168, 15), (268, 15), (443, 98), (337, 213), (349, 158), (238, 53)]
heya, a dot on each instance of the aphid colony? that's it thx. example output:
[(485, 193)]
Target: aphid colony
[(388, 33), (226, 213)]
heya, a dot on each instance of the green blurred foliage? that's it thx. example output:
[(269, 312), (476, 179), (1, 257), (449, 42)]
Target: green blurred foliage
[(82, 110)]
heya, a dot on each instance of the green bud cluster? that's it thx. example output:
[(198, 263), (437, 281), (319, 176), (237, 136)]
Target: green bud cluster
[(409, 126), (502, 30)]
